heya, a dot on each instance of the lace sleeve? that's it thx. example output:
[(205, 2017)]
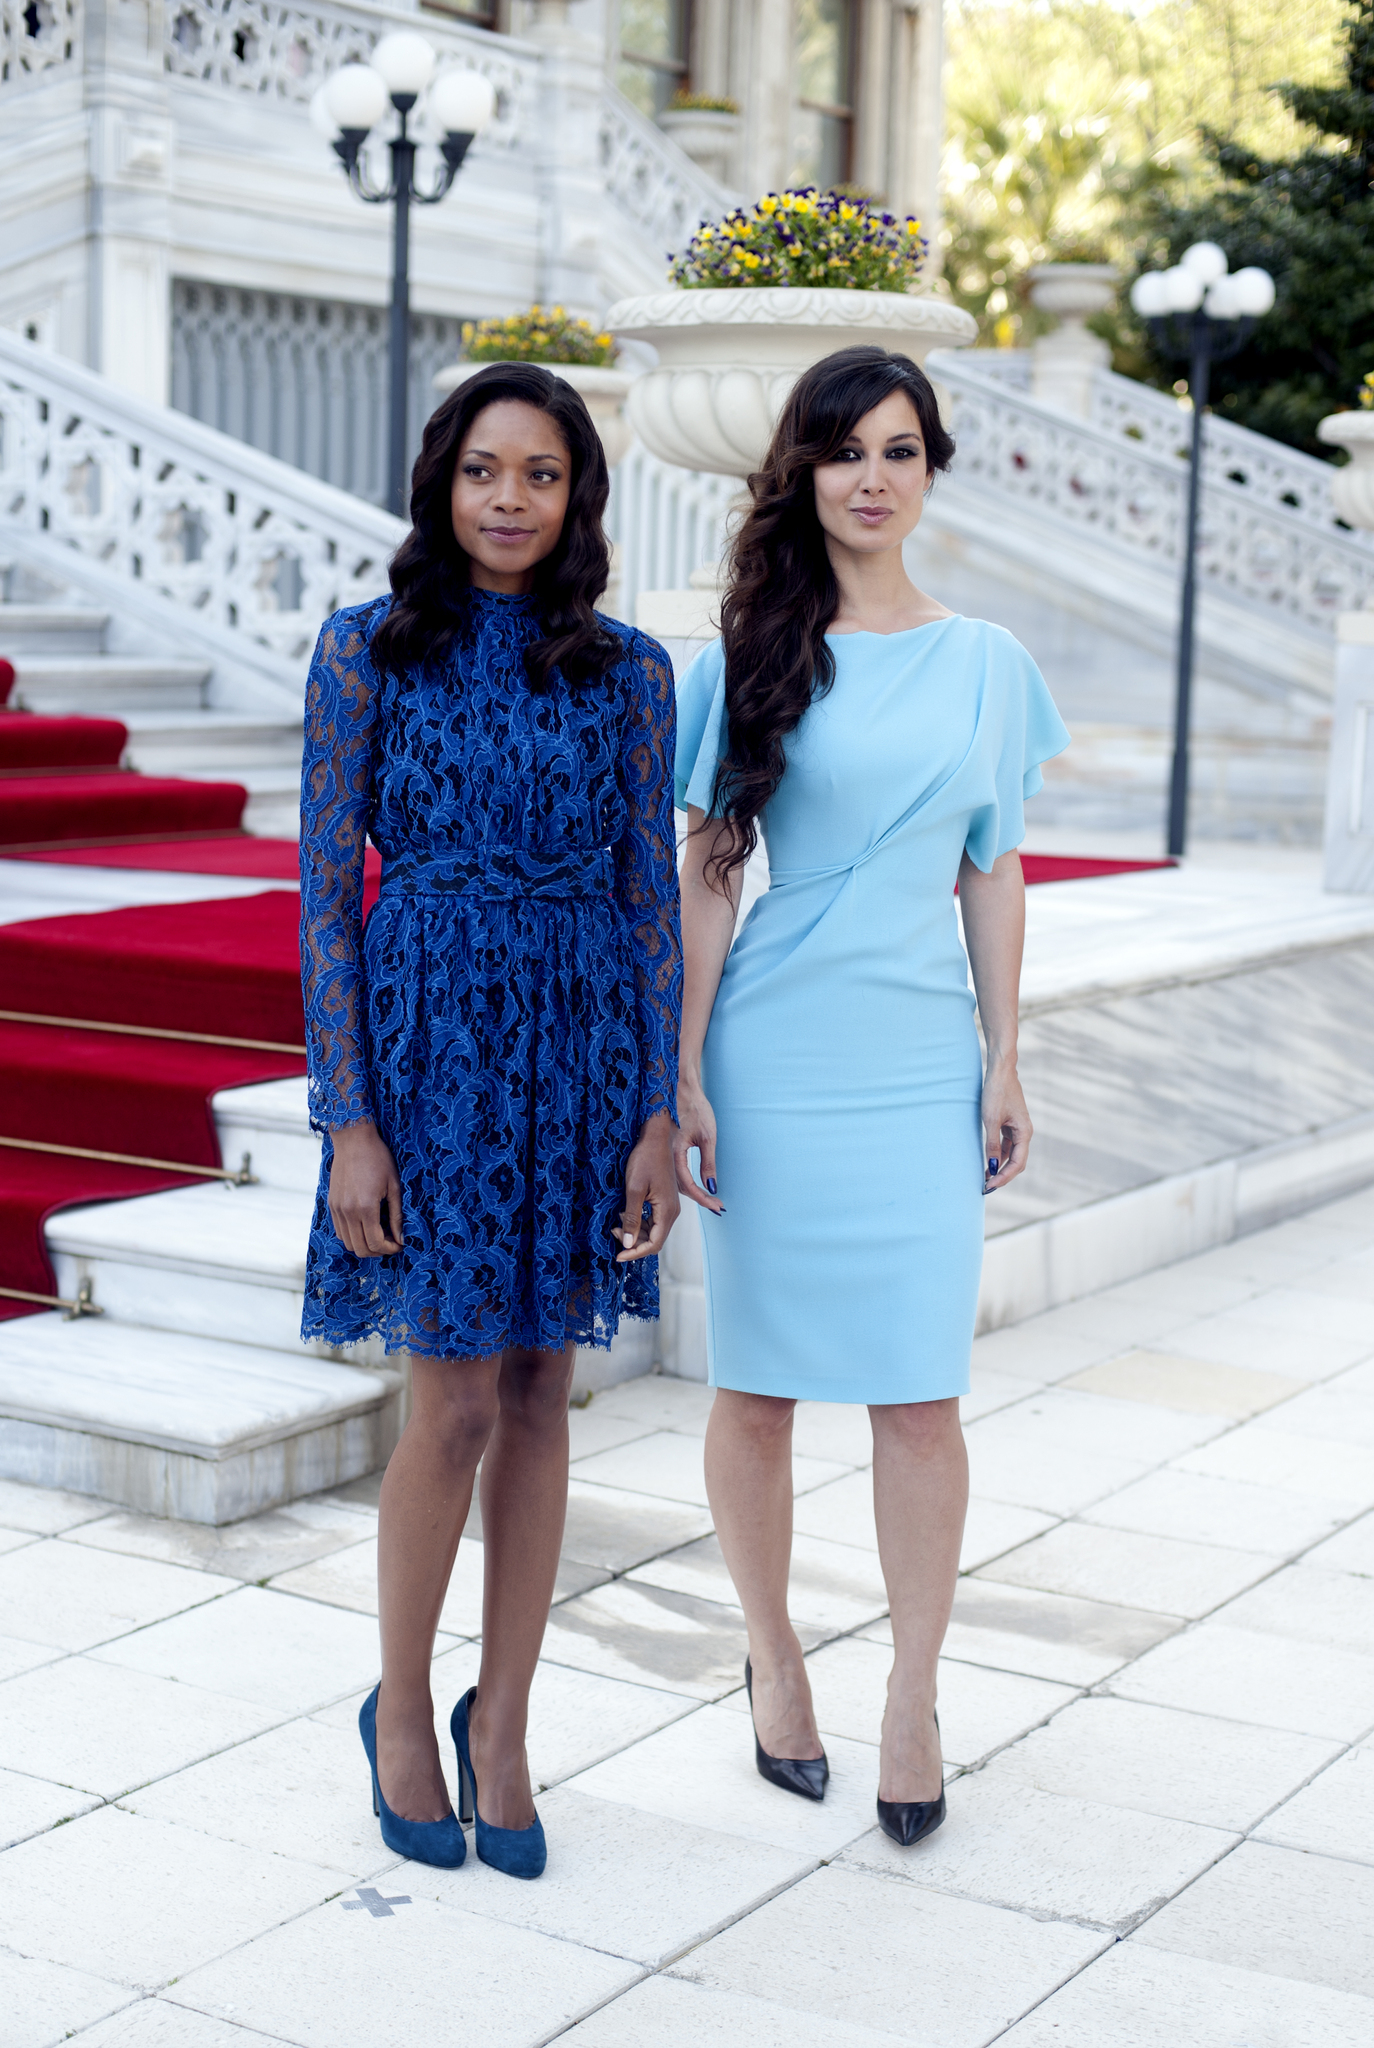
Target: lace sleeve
[(336, 783), (646, 874)]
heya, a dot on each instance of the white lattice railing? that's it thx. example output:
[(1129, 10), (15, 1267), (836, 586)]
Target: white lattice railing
[(665, 522), (249, 552), (651, 180), (1268, 537), (37, 38)]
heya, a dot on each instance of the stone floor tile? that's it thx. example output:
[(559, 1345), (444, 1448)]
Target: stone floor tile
[(651, 1637), (29, 1805), (1044, 1348), (834, 1430), (1238, 1672), (1096, 1426), (841, 1512), (1280, 1911), (71, 1598), (1352, 1278), (576, 1717), (155, 2023), (990, 1390), (1196, 1507), (1263, 1454), (279, 1651), (660, 1401), (668, 1466), (595, 1892), (140, 1902), (833, 1586), (615, 1530), (1156, 1572), (1191, 1289), (667, 2013), (1311, 1605), (46, 2003), (16, 1539), (992, 1527), (910, 1963), (253, 1550), (1352, 1550), (348, 1578), (102, 1729), (44, 1510), (594, 1428), (417, 1977), (1013, 1460), (1339, 1411), (701, 1771), (1190, 1767), (1334, 1815), (1044, 1635), (1283, 1330), (1134, 1997), (17, 1656), (302, 1791), (1197, 1386)]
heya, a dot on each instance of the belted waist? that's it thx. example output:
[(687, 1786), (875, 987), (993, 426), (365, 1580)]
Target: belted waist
[(501, 874)]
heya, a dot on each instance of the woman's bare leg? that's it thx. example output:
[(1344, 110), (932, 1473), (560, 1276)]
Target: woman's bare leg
[(749, 1484), (426, 1493), (920, 1495), (524, 1502)]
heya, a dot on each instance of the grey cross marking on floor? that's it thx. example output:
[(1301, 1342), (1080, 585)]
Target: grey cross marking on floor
[(369, 1900)]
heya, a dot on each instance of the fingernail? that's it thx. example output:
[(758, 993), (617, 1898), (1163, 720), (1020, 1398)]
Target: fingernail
[(993, 1165), (710, 1187)]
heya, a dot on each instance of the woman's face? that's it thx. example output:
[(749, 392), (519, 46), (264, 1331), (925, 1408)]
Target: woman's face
[(510, 494), (870, 494)]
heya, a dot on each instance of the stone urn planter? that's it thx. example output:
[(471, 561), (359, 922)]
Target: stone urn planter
[(728, 358), (706, 135), (604, 391), (1062, 363), (1352, 488)]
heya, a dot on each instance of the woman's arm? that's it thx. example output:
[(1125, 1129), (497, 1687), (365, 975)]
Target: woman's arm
[(709, 908), (994, 907)]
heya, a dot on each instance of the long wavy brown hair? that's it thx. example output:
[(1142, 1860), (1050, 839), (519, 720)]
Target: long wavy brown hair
[(429, 571), (781, 594)]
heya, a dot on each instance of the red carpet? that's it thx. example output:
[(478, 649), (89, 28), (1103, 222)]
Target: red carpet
[(1064, 867), (267, 860), (28, 742), (44, 810)]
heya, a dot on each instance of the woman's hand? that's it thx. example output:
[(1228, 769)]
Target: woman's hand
[(1006, 1125), (362, 1179), (648, 1180), (696, 1127)]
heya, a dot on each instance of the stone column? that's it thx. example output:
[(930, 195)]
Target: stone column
[(128, 287), (1348, 867), (764, 35), (917, 129), (572, 73), (1063, 363)]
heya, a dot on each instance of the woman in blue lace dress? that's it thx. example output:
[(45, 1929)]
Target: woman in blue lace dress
[(493, 1055)]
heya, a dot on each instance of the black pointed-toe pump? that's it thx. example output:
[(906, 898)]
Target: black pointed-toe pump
[(806, 1775), (905, 1821)]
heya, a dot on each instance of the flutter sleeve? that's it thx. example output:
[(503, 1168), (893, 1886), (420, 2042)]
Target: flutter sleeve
[(336, 803), (646, 874), (1023, 729), (702, 729)]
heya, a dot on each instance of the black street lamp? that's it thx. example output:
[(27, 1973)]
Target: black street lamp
[(459, 105), (1198, 311)]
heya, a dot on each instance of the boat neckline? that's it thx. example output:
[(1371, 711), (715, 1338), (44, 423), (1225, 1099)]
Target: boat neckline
[(867, 633)]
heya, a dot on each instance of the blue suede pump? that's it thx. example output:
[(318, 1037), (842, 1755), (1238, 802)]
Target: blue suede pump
[(440, 1842), (520, 1852)]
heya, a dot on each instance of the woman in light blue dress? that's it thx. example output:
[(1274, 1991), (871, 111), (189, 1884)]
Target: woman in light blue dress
[(847, 1121)]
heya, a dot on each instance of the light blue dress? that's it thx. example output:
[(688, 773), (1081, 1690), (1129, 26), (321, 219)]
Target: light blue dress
[(842, 1059)]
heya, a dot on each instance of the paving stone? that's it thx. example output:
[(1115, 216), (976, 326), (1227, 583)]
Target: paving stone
[(594, 1428), (1311, 1605), (992, 1527), (660, 1401), (701, 1771), (1134, 1997), (348, 1578), (1184, 1293), (1193, 1767), (1334, 1815), (140, 1902), (1214, 1669), (668, 1465), (44, 2003), (421, 1974), (1008, 1461), (16, 1539), (1339, 1412), (1197, 1386), (916, 1966), (1352, 1550), (652, 1637), (1280, 1911), (832, 1430), (1041, 1350), (302, 1791), (17, 1656), (841, 1512), (1199, 1508), (1285, 1330), (71, 1599), (833, 1586), (1044, 1635), (990, 1390), (670, 2014), (1156, 1572), (29, 1805), (616, 1530), (287, 1654), (252, 1551), (154, 2023), (45, 1510), (1008, 1844), (103, 1730), (594, 1892)]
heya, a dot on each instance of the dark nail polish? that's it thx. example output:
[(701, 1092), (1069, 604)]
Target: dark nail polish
[(710, 1187), (993, 1165)]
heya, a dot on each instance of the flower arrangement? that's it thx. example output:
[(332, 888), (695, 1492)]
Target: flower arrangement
[(1367, 391), (701, 103), (806, 237), (539, 336)]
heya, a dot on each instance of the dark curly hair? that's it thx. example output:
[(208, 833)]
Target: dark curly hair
[(781, 593), (429, 571)]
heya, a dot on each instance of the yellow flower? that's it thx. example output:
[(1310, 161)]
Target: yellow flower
[(751, 261), (603, 341), (768, 206), (913, 227), (848, 212)]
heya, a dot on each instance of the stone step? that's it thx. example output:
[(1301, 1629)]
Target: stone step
[(49, 629), (1241, 784), (217, 746), (271, 1121), (187, 1427), (106, 686)]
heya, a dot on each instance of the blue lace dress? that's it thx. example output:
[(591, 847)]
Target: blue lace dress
[(509, 1012)]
